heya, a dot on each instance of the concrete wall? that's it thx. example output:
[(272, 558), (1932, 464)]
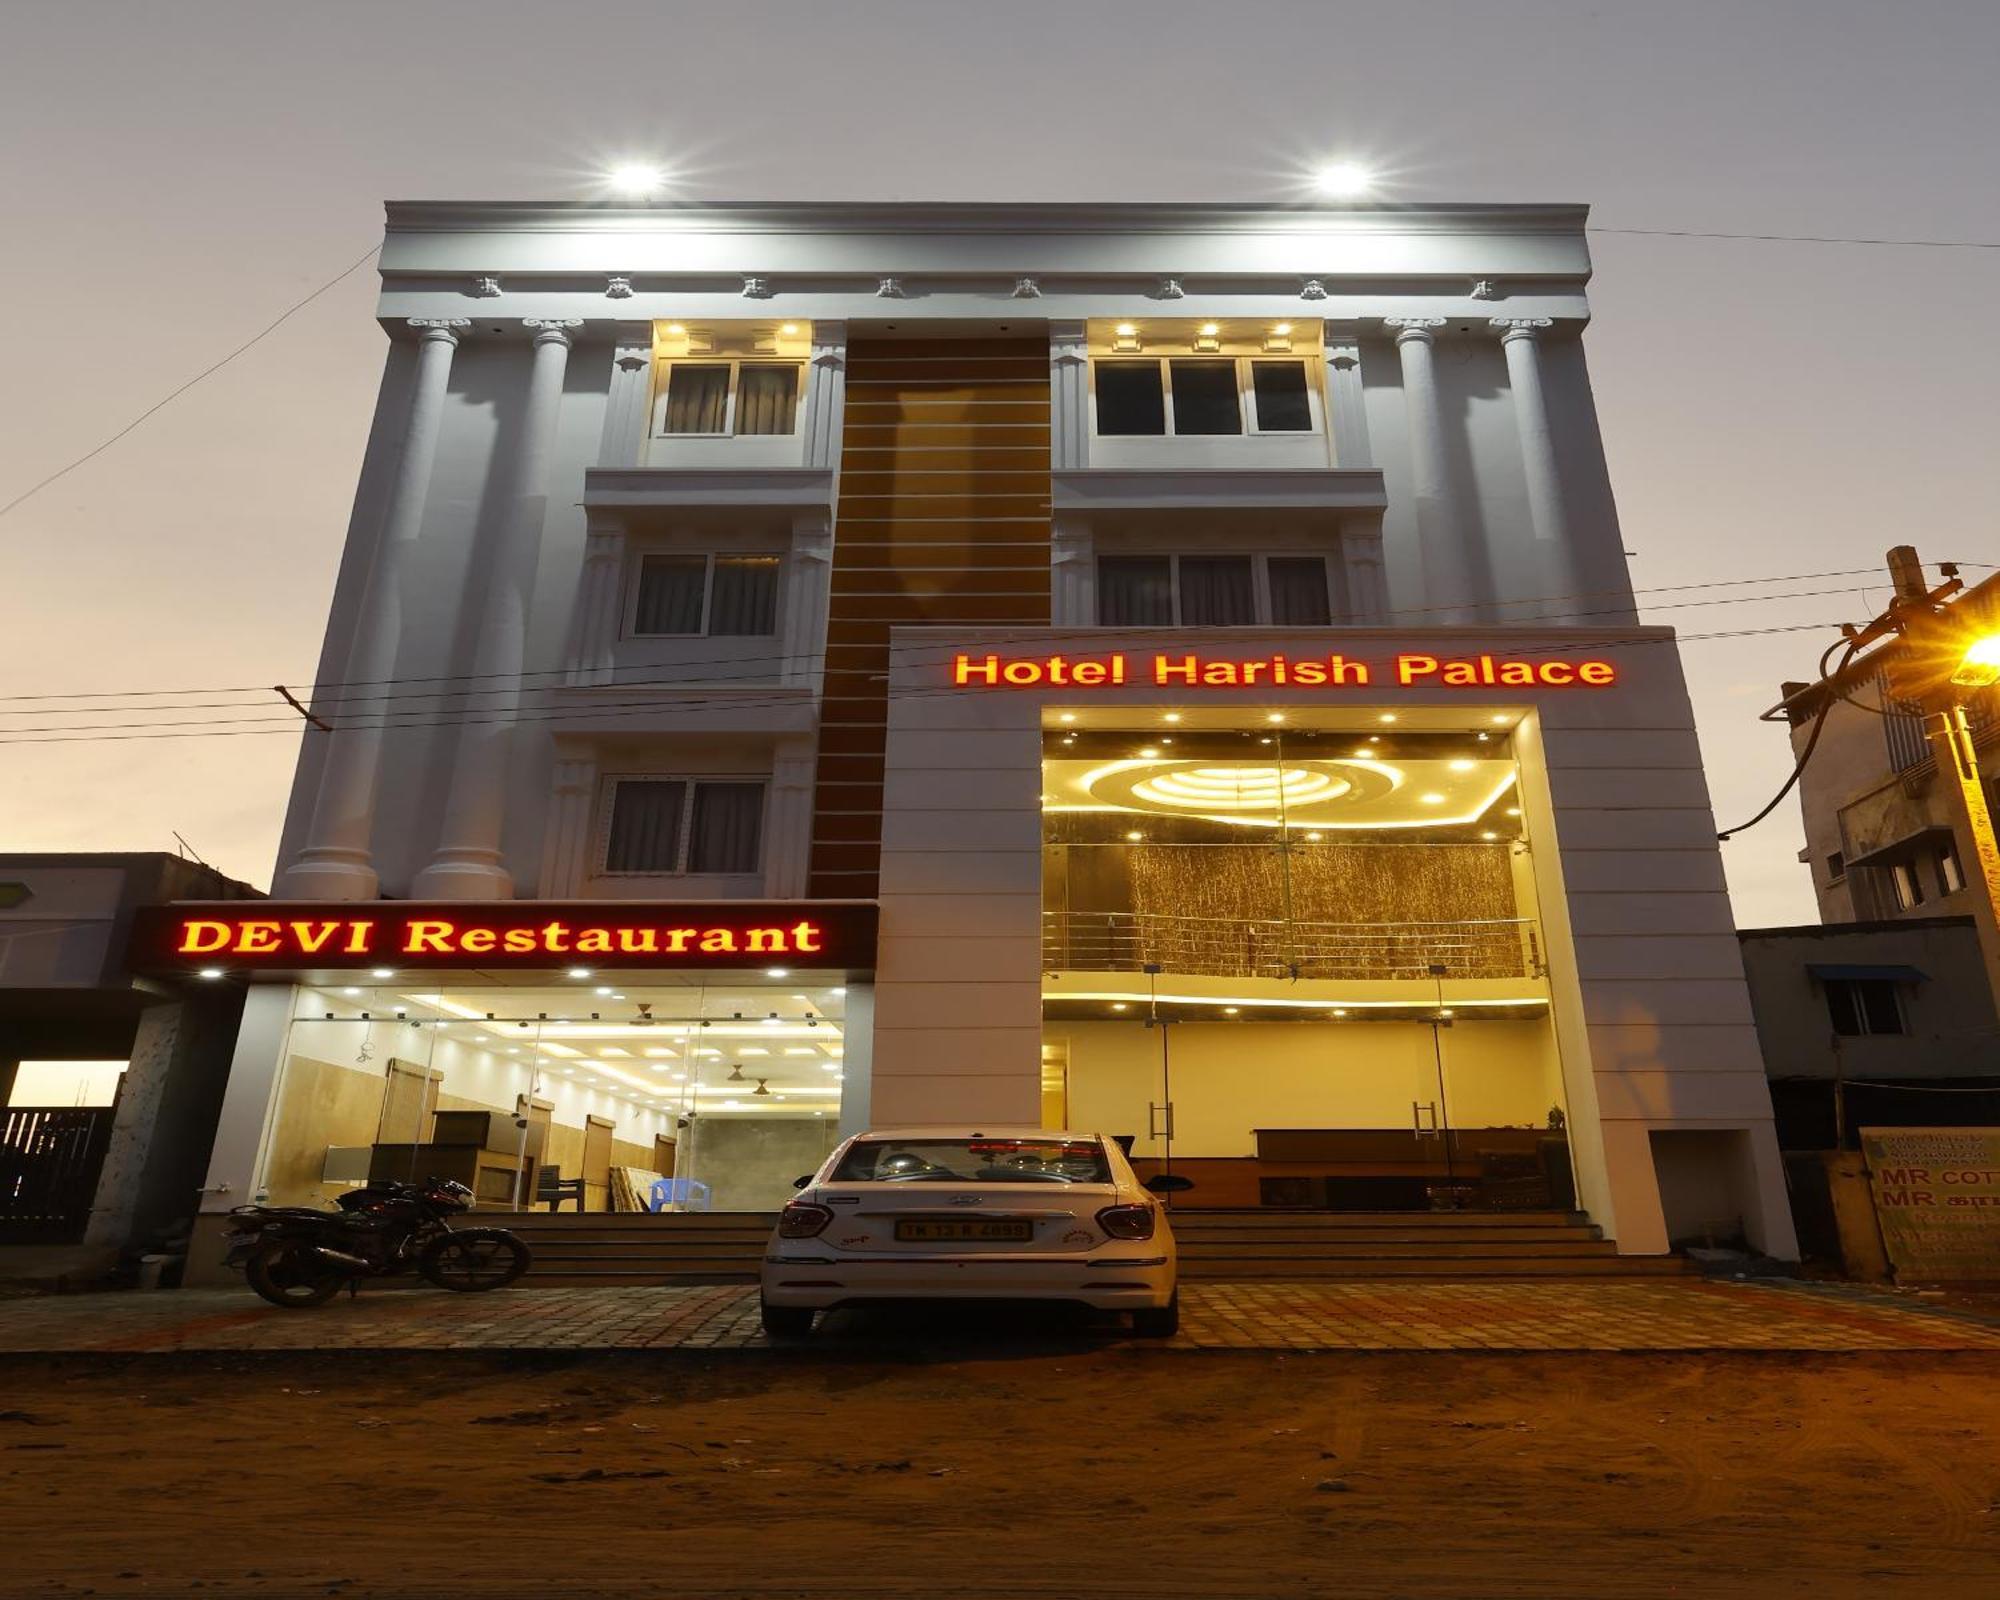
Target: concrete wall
[(749, 1162)]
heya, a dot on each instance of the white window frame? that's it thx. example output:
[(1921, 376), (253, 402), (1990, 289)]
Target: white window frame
[(735, 364), (684, 835), (1246, 396), (1260, 583), (709, 557)]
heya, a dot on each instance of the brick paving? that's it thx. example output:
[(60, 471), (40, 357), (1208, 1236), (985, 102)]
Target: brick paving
[(1400, 1314)]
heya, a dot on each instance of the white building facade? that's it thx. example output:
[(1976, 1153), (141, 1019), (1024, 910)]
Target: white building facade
[(1166, 670)]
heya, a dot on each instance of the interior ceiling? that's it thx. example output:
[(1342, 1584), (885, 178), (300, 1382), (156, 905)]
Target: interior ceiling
[(1363, 790), (679, 1048)]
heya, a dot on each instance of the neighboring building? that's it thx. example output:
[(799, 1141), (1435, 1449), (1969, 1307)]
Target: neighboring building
[(110, 1082), (1878, 828), (1211, 614)]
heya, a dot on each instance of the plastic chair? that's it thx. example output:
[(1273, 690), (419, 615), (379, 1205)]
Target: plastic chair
[(681, 1194)]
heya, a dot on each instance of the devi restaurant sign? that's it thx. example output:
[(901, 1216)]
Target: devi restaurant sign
[(279, 935), (1937, 1200)]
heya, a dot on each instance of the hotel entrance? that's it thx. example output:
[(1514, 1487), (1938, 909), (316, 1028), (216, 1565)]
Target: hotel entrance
[(1301, 966)]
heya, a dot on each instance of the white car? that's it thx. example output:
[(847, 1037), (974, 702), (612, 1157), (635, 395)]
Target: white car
[(998, 1213)]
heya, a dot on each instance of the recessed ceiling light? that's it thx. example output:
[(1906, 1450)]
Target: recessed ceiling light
[(1066, 716), (1125, 330), (777, 972), (1118, 1005), (1210, 329), (385, 972), (1500, 717), (837, 991), (1315, 838), (1489, 835), (1274, 716), (580, 972), (1281, 328), (1230, 1011), (604, 991), (1343, 180), (350, 991), (637, 179), (1134, 838), (1171, 716), (1387, 716), (210, 972), (1340, 1011), (1513, 811), (1431, 799), (1462, 765), (676, 329), (788, 327), (1149, 751)]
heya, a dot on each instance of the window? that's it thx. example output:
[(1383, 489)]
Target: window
[(1906, 885), (1950, 878), (1207, 591), (742, 398), (721, 596), (1210, 395), (1836, 867), (680, 825), (1863, 1006)]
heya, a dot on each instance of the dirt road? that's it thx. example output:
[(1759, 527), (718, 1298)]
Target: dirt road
[(1038, 1469)]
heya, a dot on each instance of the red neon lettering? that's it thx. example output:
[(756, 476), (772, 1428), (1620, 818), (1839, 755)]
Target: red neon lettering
[(311, 937), (427, 937), (805, 938), (258, 938)]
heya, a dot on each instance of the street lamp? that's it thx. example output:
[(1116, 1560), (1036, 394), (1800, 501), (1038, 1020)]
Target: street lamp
[(1979, 667)]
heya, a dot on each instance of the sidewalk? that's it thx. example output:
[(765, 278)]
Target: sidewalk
[(1665, 1315)]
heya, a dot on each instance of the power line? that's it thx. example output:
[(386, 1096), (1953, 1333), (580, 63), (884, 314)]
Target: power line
[(624, 708), (255, 339), (509, 679)]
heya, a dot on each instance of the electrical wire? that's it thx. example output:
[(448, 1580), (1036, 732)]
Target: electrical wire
[(655, 703), (1802, 238), (504, 681), (255, 339), (1812, 743)]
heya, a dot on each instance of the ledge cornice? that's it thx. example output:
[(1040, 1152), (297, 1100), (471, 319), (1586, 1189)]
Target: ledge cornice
[(1218, 488)]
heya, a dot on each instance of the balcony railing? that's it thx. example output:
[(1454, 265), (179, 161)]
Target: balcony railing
[(1219, 947)]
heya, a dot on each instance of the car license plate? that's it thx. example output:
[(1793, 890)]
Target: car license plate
[(925, 1231)]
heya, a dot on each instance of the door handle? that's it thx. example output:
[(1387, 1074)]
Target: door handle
[(1160, 1120), (1419, 1110)]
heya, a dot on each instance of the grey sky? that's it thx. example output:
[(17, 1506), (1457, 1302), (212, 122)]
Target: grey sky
[(177, 174)]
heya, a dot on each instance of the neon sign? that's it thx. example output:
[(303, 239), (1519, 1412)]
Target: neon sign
[(525, 934), (1166, 669)]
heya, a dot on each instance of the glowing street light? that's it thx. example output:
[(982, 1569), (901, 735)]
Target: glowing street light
[(1979, 668), (1343, 180)]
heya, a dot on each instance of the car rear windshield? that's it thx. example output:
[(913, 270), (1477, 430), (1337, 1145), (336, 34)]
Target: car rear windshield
[(973, 1161)]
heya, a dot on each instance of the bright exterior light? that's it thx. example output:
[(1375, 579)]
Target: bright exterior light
[(636, 179), (1281, 329), (385, 972), (211, 972), (1343, 180), (1981, 666), (1125, 330), (788, 328), (777, 972), (1210, 329), (580, 972)]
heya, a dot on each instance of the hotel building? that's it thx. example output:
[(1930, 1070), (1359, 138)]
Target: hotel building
[(1162, 670)]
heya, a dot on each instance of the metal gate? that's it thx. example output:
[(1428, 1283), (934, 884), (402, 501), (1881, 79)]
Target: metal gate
[(50, 1157)]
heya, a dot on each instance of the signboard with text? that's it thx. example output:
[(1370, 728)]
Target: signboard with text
[(240, 936), (1937, 1200), (1180, 669)]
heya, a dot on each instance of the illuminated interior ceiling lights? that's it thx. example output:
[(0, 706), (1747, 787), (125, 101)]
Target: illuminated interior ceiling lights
[(1243, 1002), (1333, 792), (1241, 788)]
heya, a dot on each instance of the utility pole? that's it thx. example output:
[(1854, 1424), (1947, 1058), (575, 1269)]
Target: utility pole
[(1945, 649)]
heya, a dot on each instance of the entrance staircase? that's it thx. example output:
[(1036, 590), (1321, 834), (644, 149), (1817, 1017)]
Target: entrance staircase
[(697, 1248)]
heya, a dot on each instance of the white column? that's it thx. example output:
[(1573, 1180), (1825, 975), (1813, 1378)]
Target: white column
[(1364, 585), (250, 1100), (566, 838), (599, 607), (808, 580), (1346, 406), (788, 820), (1547, 508), (1073, 580), (628, 404), (467, 865), (1439, 525), (826, 395), (336, 862), (1069, 396)]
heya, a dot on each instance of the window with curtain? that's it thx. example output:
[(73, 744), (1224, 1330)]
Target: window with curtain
[(671, 591), (1859, 1006), (645, 833), (767, 398), (1130, 399), (1205, 399), (1135, 591), (744, 596), (697, 398), (1217, 592), (727, 827), (1298, 591)]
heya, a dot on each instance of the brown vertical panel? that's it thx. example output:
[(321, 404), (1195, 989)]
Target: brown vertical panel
[(944, 489)]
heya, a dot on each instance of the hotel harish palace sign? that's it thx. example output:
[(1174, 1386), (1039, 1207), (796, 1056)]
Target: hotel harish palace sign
[(284, 935), (1176, 669)]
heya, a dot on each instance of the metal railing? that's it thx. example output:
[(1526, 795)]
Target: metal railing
[(1234, 947)]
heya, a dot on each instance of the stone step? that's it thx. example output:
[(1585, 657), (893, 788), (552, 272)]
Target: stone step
[(1189, 1221), (1347, 1249)]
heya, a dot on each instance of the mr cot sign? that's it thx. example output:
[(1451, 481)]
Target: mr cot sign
[(280, 935)]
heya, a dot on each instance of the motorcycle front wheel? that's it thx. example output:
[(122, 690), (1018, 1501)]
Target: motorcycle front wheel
[(473, 1260), (288, 1274)]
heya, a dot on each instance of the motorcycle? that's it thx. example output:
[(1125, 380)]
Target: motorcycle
[(296, 1256)]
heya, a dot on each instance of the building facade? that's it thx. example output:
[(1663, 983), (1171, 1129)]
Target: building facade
[(1164, 670)]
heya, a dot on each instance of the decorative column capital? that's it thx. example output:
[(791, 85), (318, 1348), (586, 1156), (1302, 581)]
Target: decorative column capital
[(1169, 289), (757, 289), (891, 289), (1512, 328), (618, 287), (1416, 330), (552, 330), (1312, 289), (439, 330), (1027, 289)]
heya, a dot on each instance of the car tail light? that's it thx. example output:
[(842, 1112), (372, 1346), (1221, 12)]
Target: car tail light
[(1127, 1222), (802, 1221)]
